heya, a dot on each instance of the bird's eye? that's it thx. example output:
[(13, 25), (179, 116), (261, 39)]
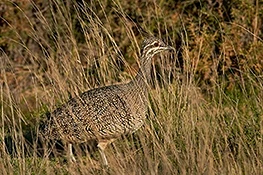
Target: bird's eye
[(156, 44)]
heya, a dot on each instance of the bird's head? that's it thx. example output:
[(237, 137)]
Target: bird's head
[(152, 46)]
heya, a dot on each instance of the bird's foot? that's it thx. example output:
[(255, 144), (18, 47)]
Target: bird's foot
[(106, 168), (72, 159)]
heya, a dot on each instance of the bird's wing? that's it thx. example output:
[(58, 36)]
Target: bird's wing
[(97, 113), (106, 112)]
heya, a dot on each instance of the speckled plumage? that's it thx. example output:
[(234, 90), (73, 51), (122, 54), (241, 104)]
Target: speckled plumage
[(97, 114), (106, 113)]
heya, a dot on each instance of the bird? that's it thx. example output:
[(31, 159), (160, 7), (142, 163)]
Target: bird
[(106, 113)]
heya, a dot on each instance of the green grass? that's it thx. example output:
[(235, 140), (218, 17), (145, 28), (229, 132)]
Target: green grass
[(205, 108)]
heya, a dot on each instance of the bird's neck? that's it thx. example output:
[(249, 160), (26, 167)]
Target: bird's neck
[(142, 79)]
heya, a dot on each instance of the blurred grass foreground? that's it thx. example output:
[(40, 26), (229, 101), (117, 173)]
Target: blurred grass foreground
[(206, 100)]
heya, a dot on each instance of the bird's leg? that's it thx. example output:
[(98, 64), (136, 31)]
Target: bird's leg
[(102, 146), (71, 156)]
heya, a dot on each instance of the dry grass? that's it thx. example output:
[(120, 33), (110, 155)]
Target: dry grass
[(205, 110)]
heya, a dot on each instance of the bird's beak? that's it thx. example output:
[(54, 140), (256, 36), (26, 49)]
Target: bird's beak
[(170, 48)]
